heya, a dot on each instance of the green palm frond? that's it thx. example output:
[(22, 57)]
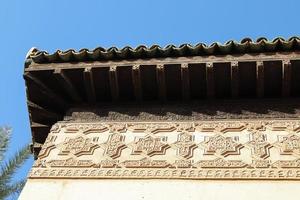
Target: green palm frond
[(12, 190), (4, 139), (8, 168), (7, 171), (8, 186)]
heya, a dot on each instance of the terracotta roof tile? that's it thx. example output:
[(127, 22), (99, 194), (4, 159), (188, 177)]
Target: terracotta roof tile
[(246, 45)]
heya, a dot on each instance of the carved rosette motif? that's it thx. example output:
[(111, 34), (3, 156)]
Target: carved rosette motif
[(196, 150), (289, 145), (150, 145), (78, 146), (219, 145)]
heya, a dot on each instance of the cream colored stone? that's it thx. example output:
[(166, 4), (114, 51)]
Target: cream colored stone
[(74, 189)]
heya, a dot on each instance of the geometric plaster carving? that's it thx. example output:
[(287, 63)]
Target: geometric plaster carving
[(85, 129), (259, 146), (47, 147), (185, 145), (222, 127), (161, 128), (117, 128), (78, 146), (70, 162), (287, 163), (114, 145), (271, 150), (221, 163), (145, 163), (219, 145), (289, 145), (150, 146)]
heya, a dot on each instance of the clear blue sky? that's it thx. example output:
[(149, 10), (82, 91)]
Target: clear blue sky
[(64, 24)]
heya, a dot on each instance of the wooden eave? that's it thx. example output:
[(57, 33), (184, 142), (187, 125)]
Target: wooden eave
[(53, 88)]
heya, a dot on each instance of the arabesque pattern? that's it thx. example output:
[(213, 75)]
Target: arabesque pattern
[(189, 150)]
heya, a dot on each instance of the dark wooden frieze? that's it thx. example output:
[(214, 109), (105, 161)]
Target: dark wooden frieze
[(195, 83), (113, 82), (67, 84), (89, 85), (136, 82)]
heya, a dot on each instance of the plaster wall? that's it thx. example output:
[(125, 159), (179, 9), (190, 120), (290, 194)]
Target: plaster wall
[(56, 189)]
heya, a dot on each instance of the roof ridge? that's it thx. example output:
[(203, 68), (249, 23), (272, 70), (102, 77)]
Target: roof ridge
[(246, 45)]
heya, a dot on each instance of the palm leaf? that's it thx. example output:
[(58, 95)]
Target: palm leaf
[(9, 168), (12, 190), (9, 187), (4, 139)]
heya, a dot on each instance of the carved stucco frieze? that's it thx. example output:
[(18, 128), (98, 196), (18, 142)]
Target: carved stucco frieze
[(220, 145), (289, 145), (268, 149), (221, 163), (185, 145), (77, 146), (259, 145), (47, 146), (114, 145), (150, 145)]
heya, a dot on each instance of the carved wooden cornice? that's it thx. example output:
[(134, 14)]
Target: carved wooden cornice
[(56, 84)]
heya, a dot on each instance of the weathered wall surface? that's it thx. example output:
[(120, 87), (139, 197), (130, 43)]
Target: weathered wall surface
[(159, 190)]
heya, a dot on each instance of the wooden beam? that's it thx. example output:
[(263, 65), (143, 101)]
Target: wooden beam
[(67, 84), (35, 148), (43, 111), (185, 81), (234, 79), (286, 78), (39, 131), (45, 90), (136, 81), (89, 84), (161, 82), (260, 79), (210, 80), (39, 125), (113, 82)]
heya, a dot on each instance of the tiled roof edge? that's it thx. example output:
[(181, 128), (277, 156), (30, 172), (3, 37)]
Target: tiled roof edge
[(246, 45)]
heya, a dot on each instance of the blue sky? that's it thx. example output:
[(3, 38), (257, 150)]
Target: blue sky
[(65, 24)]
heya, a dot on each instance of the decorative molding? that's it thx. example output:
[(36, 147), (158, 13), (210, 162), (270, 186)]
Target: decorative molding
[(221, 163), (150, 146), (289, 145), (224, 174), (249, 149), (185, 145), (114, 145), (145, 163), (219, 145), (77, 146), (259, 145)]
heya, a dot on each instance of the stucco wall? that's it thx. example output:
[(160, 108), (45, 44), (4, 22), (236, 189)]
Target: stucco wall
[(54, 189)]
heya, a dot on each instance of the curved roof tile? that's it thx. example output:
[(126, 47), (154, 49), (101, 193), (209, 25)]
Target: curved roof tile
[(246, 45)]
